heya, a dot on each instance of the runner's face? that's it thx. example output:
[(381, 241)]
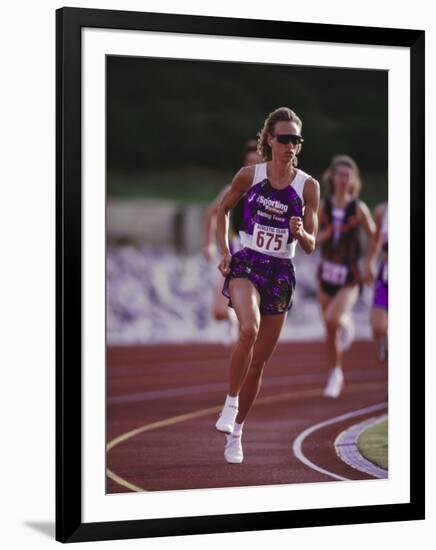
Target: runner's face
[(285, 152), (343, 178)]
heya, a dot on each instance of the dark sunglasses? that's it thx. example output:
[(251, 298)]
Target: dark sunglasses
[(295, 139)]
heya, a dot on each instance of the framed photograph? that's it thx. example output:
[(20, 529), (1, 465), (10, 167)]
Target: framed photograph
[(232, 352)]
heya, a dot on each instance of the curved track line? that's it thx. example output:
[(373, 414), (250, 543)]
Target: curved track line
[(123, 482), (298, 442), (287, 396), (162, 424), (348, 451)]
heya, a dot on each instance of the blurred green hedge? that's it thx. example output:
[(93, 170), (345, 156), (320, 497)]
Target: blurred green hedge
[(169, 115)]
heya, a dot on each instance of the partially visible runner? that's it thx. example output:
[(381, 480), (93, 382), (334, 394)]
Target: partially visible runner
[(339, 279), (220, 309), (379, 314), (280, 209)]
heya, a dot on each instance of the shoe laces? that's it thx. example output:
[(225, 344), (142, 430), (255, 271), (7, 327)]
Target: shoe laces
[(232, 440)]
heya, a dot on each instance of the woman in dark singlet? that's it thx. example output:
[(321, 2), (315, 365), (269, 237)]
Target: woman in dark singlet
[(342, 214)]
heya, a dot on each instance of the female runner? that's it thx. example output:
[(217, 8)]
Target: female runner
[(220, 309), (339, 279), (280, 209)]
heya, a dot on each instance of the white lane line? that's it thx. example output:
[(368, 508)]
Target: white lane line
[(347, 450), (297, 446), (295, 395)]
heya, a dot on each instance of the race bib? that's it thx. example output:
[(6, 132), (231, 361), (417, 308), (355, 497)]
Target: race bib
[(270, 239), (333, 273)]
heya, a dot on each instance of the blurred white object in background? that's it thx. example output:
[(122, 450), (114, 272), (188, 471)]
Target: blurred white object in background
[(157, 295)]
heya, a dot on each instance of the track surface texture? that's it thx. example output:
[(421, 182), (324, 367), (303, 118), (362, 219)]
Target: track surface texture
[(163, 402)]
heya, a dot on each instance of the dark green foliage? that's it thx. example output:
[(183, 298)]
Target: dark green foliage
[(170, 115)]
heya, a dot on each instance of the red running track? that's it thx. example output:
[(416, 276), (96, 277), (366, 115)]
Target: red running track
[(149, 387)]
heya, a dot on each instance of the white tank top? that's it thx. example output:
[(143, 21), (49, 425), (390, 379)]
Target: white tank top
[(260, 174)]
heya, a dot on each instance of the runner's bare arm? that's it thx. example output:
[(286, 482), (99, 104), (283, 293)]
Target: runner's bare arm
[(305, 230), (325, 230), (240, 185), (369, 226), (210, 225)]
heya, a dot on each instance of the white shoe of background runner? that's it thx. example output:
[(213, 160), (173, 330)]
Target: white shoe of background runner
[(227, 418), (233, 449), (335, 383), (346, 333)]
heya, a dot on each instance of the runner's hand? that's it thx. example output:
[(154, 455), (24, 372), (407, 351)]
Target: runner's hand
[(224, 265), (296, 225)]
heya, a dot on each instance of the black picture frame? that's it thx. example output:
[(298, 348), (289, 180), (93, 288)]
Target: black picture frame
[(69, 525)]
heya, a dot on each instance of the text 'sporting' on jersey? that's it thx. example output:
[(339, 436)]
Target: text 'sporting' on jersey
[(267, 213)]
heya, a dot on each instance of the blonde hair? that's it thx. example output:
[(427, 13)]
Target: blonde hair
[(282, 113), (342, 160)]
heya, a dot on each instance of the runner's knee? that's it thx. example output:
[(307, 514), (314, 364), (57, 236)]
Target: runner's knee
[(379, 325), (378, 331), (249, 332), (332, 323), (376, 334), (220, 314)]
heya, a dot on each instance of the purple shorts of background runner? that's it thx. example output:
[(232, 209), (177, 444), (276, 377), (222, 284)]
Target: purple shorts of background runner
[(381, 290), (274, 278)]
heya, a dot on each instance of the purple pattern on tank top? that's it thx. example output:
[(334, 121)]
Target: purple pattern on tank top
[(273, 277), (266, 205)]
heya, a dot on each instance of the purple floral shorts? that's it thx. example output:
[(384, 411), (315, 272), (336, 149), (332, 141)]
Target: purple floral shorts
[(274, 278)]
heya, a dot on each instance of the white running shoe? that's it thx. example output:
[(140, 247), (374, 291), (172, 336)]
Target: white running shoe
[(346, 333), (233, 449), (227, 418), (334, 384)]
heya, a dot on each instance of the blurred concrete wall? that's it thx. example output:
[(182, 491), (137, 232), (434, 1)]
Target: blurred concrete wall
[(155, 222)]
